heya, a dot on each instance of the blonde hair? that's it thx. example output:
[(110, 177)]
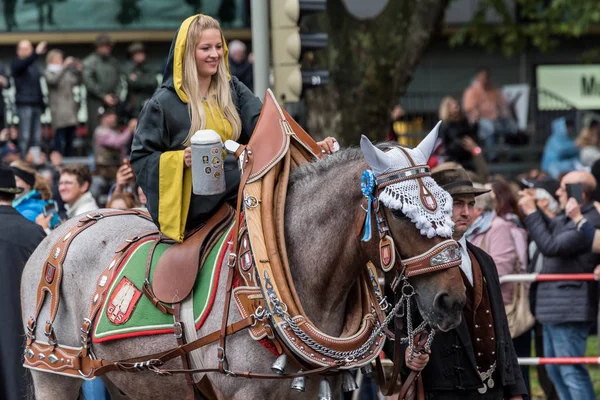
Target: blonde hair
[(41, 185), (443, 111), (586, 138), (219, 82), (52, 54)]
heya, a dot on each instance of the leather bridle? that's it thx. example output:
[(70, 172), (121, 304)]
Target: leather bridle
[(443, 255)]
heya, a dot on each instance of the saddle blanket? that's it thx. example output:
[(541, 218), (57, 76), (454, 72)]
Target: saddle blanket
[(127, 313)]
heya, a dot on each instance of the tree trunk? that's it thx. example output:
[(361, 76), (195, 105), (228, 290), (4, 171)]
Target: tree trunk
[(371, 65)]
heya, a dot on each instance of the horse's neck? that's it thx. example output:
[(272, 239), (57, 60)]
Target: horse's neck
[(324, 253)]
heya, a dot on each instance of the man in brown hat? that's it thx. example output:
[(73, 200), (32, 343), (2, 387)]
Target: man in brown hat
[(102, 80), (477, 359), (18, 239)]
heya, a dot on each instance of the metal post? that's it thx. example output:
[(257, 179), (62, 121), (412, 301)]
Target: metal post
[(259, 10)]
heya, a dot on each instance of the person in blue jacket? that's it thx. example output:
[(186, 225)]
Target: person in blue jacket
[(35, 196), (560, 153)]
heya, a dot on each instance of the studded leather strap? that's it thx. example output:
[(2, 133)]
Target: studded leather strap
[(53, 270)]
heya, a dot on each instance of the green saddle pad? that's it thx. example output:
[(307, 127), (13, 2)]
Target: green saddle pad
[(126, 312)]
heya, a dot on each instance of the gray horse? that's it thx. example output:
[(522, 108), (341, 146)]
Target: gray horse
[(322, 209)]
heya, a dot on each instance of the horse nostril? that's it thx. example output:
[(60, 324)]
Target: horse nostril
[(443, 302)]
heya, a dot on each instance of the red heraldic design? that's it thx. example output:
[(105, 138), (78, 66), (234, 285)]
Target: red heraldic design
[(387, 253), (50, 271), (427, 199), (123, 301)]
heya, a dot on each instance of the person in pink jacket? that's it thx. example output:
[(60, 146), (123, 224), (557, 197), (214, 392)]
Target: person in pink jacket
[(494, 235)]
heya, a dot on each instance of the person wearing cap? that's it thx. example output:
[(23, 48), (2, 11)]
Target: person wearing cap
[(102, 80), (18, 239), (477, 359), (141, 80), (567, 310)]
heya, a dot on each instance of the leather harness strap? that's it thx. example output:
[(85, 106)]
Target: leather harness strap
[(52, 272), (179, 335), (147, 287), (232, 261), (153, 360)]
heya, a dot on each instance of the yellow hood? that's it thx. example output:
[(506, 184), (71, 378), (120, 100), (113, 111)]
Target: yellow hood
[(174, 71)]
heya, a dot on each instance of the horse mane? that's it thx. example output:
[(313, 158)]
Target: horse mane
[(310, 171)]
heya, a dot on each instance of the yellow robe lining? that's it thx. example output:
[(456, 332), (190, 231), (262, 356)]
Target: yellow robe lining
[(175, 180)]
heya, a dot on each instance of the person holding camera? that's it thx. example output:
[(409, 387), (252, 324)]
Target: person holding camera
[(61, 76), (567, 309)]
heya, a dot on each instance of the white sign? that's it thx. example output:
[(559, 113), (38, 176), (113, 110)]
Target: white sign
[(579, 85)]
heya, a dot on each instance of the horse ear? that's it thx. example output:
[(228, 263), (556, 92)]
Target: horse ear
[(377, 159), (426, 146)]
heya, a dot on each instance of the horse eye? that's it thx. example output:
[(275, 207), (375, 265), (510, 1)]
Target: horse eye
[(397, 214)]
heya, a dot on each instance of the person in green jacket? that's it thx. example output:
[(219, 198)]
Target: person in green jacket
[(197, 92), (102, 80), (141, 80)]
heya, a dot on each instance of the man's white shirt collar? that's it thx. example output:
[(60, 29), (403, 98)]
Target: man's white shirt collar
[(465, 264)]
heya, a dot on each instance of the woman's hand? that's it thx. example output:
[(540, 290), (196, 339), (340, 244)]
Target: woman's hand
[(329, 145), (573, 210), (419, 361), (125, 176), (187, 157), (43, 221), (527, 202)]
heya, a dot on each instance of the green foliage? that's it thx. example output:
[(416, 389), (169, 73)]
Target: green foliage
[(523, 23)]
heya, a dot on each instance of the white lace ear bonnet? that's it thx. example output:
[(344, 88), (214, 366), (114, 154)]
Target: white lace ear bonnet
[(427, 205)]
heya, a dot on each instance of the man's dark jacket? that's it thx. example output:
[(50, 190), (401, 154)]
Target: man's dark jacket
[(164, 124), (452, 369), (18, 239), (27, 81), (565, 251)]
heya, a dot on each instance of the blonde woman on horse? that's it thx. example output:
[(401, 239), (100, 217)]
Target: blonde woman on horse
[(198, 92)]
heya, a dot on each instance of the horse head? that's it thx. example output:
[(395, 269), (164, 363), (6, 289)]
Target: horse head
[(413, 217)]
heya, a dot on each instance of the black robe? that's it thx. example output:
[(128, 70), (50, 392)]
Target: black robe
[(18, 239), (163, 126)]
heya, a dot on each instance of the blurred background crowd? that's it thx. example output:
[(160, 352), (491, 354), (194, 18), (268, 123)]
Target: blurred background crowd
[(525, 122)]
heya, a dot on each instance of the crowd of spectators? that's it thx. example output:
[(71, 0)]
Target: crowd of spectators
[(112, 110), (49, 189), (520, 223), (523, 225)]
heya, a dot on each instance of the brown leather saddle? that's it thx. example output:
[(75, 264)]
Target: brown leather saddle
[(178, 267)]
